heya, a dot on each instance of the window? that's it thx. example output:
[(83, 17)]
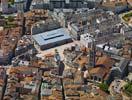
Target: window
[(99, 79), (95, 77)]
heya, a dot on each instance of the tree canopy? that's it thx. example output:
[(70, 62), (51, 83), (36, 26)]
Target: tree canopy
[(128, 88), (104, 87)]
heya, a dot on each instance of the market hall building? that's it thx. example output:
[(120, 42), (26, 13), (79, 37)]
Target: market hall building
[(50, 39)]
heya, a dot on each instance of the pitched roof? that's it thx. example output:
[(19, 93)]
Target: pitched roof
[(123, 64), (103, 66), (106, 61), (99, 71)]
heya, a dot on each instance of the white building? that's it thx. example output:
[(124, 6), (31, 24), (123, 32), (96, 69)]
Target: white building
[(4, 6), (86, 40)]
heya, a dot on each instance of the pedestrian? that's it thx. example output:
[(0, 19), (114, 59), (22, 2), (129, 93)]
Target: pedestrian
[(85, 76)]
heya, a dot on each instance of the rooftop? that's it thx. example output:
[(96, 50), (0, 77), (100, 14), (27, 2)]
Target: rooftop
[(51, 36), (113, 3), (103, 66)]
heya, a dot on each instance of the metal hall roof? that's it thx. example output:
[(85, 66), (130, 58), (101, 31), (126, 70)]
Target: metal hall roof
[(51, 36)]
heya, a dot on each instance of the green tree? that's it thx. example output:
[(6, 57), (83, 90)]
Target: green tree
[(128, 88), (10, 18), (11, 2), (104, 87)]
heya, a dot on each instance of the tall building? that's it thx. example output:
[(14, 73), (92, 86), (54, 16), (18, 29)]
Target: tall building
[(4, 6), (92, 55), (20, 5)]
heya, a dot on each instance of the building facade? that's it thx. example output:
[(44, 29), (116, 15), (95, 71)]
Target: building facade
[(20, 5), (4, 6), (51, 4)]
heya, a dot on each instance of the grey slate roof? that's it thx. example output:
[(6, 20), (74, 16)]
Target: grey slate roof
[(51, 36)]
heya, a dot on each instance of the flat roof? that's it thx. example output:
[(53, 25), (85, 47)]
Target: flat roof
[(51, 36)]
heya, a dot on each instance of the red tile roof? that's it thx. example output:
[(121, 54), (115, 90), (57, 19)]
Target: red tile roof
[(103, 66)]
